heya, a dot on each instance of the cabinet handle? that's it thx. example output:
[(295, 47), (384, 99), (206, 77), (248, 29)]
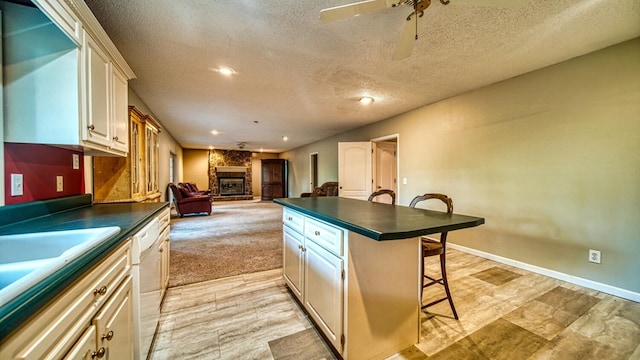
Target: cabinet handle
[(91, 127), (98, 354), (115, 138), (317, 233), (101, 291), (109, 336), (290, 218), (161, 250)]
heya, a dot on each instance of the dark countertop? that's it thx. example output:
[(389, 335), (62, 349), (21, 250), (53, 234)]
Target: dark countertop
[(379, 221), (67, 214)]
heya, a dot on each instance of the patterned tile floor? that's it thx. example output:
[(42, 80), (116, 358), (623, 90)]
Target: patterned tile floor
[(505, 313)]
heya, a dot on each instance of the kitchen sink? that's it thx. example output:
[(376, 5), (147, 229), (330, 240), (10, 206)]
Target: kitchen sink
[(26, 259)]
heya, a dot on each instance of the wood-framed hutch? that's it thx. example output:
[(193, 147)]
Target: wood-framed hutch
[(136, 177)]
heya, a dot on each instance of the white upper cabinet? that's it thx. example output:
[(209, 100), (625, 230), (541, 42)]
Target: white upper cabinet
[(98, 86), (65, 82), (120, 110)]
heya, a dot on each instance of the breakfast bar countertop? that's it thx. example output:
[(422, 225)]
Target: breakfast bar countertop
[(70, 213), (379, 221)]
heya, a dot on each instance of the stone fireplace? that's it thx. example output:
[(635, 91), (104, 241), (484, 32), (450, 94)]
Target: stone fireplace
[(230, 175)]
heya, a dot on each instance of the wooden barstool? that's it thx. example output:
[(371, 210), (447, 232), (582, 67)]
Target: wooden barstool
[(433, 247), (384, 192)]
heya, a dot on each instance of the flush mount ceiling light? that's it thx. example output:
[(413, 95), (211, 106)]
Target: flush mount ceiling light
[(227, 71), (366, 100), (214, 132)]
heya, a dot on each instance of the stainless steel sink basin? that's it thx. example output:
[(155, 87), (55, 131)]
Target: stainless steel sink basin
[(26, 259)]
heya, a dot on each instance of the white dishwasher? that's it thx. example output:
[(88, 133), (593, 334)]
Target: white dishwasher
[(145, 271)]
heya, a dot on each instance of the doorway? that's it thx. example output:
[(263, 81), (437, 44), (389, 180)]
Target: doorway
[(172, 177), (385, 164), (367, 166), (313, 171)]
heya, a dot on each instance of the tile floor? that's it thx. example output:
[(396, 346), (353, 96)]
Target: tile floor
[(505, 313)]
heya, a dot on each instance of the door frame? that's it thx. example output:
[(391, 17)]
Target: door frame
[(386, 138)]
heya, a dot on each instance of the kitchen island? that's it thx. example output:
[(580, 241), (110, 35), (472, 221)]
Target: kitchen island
[(354, 267)]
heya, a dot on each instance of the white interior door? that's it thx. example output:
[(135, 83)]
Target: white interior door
[(355, 177), (385, 165)]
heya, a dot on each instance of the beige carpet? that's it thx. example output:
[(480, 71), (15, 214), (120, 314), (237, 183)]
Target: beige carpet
[(238, 237)]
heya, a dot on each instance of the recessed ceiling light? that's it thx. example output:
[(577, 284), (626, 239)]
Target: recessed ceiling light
[(284, 138), (214, 132), (227, 71), (366, 100)]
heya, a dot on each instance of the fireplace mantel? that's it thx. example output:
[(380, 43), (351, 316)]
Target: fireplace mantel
[(231, 169)]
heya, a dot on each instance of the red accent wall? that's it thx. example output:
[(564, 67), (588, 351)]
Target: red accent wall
[(39, 166)]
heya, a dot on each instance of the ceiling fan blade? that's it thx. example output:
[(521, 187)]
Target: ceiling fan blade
[(407, 39), (492, 3), (349, 10)]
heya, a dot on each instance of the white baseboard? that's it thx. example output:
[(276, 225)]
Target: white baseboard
[(612, 290)]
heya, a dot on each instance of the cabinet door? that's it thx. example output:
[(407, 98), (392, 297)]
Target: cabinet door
[(114, 324), (98, 81), (323, 290), (152, 151), (293, 260), (85, 348), (164, 261), (120, 111)]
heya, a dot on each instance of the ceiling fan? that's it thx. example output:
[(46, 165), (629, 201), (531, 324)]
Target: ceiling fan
[(410, 31)]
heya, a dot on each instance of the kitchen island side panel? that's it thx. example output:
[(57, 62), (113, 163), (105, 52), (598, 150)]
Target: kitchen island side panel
[(382, 299)]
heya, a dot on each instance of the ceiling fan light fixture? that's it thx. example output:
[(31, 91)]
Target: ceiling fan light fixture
[(366, 100)]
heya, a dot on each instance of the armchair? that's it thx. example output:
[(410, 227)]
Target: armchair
[(193, 189), (188, 203), (327, 189)]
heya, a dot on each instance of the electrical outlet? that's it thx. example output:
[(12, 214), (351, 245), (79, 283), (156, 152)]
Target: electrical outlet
[(594, 256), (59, 186), (16, 185)]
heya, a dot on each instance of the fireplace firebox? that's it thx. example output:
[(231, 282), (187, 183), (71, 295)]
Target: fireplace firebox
[(231, 186)]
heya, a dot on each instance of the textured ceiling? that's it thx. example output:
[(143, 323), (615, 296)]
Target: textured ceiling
[(300, 78)]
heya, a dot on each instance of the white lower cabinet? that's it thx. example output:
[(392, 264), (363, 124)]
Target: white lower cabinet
[(315, 274), (90, 320), (293, 260), (165, 247), (323, 290), (109, 336)]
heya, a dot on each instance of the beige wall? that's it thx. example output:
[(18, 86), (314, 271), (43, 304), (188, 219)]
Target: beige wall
[(168, 146), (196, 167), (551, 159)]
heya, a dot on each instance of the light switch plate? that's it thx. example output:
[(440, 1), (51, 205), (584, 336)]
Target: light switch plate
[(76, 161), (16, 185)]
